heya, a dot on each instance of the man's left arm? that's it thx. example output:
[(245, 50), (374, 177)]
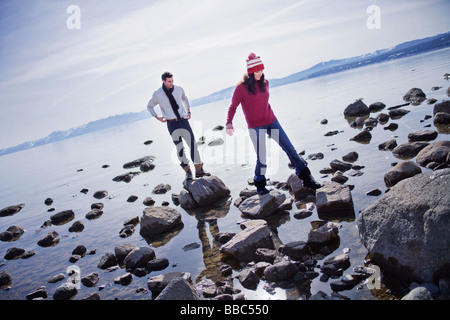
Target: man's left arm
[(186, 103)]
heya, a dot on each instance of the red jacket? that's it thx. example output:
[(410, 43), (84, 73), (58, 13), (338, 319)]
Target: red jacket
[(256, 107)]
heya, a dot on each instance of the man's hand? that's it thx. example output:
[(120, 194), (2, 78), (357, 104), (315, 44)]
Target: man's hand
[(162, 119), (230, 129)]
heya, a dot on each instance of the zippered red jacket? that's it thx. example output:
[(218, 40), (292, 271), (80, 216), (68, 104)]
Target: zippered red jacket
[(256, 107)]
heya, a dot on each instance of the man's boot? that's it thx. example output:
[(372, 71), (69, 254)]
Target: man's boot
[(261, 186), (199, 171), (188, 171), (308, 180)]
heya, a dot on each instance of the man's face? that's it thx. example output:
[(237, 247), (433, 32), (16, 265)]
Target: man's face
[(168, 83)]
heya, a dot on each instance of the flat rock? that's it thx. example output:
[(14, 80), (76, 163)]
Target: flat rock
[(334, 199), (261, 206)]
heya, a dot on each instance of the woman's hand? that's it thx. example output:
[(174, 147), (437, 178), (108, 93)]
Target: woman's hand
[(230, 129)]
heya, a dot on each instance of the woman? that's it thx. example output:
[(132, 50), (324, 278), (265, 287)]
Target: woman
[(253, 94)]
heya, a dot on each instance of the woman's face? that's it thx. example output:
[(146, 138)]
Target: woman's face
[(258, 75)]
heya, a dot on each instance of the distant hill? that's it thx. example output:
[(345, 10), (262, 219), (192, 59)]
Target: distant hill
[(321, 69), (333, 66)]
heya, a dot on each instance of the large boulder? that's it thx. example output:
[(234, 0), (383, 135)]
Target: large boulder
[(261, 206), (157, 220), (406, 230), (206, 190), (414, 95), (243, 246)]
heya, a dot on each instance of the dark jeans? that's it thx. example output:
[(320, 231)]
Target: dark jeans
[(180, 130), (276, 132)]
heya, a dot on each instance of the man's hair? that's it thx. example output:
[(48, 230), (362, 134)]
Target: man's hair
[(166, 75)]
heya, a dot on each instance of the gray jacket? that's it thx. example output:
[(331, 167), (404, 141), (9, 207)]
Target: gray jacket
[(160, 98)]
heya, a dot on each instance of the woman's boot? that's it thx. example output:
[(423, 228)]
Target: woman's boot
[(261, 186), (308, 180)]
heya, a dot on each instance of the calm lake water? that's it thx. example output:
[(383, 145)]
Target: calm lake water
[(54, 171)]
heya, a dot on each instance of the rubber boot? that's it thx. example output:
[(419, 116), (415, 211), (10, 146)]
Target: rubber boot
[(199, 171), (188, 171), (308, 180), (261, 186)]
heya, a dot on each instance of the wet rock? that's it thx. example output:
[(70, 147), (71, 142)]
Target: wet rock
[(423, 135), (13, 253), (350, 157), (161, 188), (146, 166), (100, 194), (148, 201), (5, 280), (280, 271), (295, 250), (262, 206), (419, 293), (206, 190), (324, 234), (11, 210), (224, 237), (124, 280), (62, 217), (80, 250), (406, 229), (48, 201), (77, 226), (362, 137), (391, 127), (178, 289), (139, 257), (296, 188), (94, 214), (137, 163), (415, 95), (356, 109), (402, 170), (52, 238), (248, 279), (382, 118), (157, 264), (41, 293), (57, 278), (334, 198), (216, 142), (90, 280), (156, 220), (158, 283), (408, 150), (243, 245), (339, 165), (107, 260), (435, 152), (397, 113), (125, 177), (123, 250), (13, 233), (376, 106), (443, 106), (65, 291)]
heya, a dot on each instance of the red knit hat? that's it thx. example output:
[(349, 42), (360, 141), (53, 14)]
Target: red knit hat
[(254, 63)]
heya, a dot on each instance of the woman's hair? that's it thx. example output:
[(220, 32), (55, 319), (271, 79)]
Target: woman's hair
[(250, 82)]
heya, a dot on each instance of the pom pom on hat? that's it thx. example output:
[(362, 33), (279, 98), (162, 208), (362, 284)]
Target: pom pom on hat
[(254, 63)]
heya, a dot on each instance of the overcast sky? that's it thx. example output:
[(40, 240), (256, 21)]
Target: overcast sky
[(59, 72)]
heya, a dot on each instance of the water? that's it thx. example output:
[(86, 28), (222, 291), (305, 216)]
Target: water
[(54, 171)]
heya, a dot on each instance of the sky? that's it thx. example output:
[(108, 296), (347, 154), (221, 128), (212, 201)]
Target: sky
[(66, 63)]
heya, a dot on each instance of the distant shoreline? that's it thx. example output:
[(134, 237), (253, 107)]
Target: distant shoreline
[(404, 50)]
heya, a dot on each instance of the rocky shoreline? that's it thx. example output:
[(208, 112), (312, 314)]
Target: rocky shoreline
[(405, 230)]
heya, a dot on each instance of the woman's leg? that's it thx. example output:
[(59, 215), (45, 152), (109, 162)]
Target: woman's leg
[(258, 138)]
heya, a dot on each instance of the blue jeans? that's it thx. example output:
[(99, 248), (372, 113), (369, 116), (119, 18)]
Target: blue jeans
[(276, 132), (180, 130)]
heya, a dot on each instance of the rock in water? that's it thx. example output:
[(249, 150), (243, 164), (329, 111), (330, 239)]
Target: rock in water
[(156, 220), (334, 199), (243, 246), (206, 190), (406, 230), (261, 206)]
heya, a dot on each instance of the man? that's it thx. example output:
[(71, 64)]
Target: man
[(176, 112)]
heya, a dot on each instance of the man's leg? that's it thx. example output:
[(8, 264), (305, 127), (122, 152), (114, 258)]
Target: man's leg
[(177, 134)]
